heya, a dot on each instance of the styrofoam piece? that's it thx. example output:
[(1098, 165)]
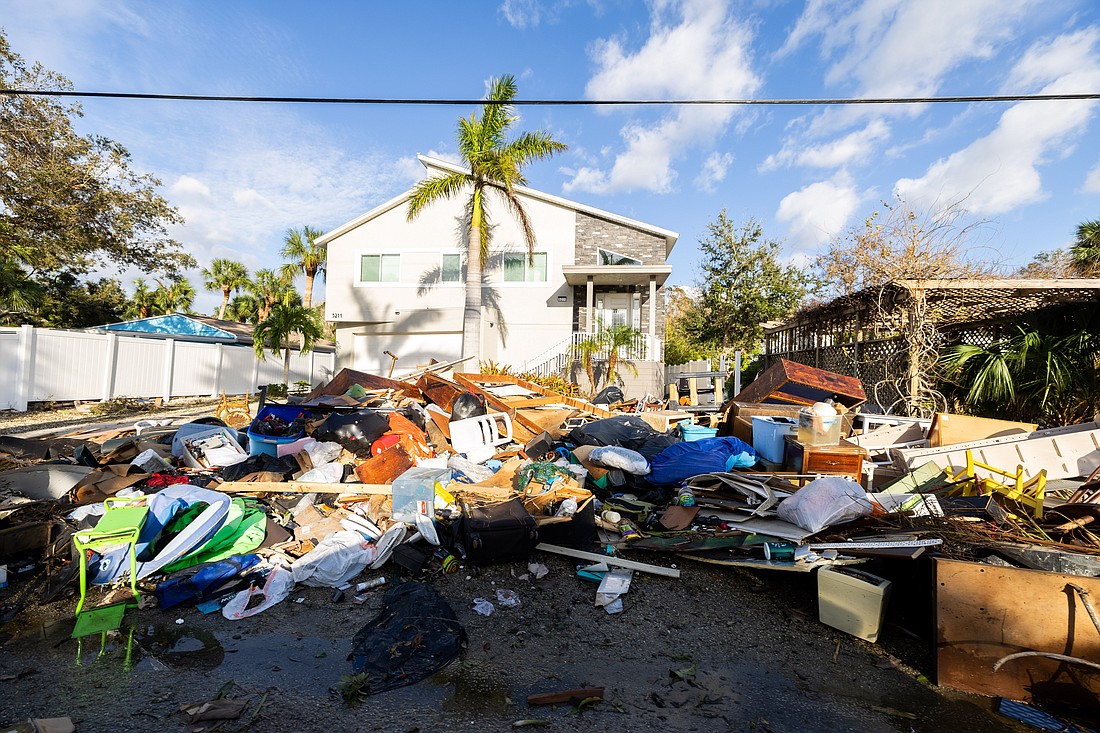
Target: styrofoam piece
[(480, 433), (426, 527), (393, 537)]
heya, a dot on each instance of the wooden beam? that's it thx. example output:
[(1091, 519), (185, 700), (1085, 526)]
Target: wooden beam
[(610, 560), (300, 487), (565, 696)]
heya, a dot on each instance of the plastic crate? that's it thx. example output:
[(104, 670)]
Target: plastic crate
[(697, 432), (767, 436), (269, 444)]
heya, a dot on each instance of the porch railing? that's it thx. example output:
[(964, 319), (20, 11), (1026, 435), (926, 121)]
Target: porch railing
[(642, 347)]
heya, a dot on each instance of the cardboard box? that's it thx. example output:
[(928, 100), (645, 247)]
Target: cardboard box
[(950, 429)]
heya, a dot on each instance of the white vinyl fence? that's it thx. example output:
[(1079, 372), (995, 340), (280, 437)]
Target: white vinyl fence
[(41, 364)]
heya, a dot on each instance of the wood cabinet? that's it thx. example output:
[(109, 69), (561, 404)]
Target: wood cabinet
[(844, 459)]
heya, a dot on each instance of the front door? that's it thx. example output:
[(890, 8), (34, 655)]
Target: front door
[(619, 309)]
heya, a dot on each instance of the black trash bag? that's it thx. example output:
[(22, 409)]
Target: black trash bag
[(286, 466), (467, 405), (609, 396), (626, 432), (415, 635), (656, 444), (354, 430)]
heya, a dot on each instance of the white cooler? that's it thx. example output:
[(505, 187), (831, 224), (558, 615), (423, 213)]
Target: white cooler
[(852, 600)]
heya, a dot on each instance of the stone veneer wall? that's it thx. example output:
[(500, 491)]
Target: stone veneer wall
[(593, 233)]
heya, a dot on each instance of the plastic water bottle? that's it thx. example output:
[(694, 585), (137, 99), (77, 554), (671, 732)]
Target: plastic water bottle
[(685, 497), (568, 508)]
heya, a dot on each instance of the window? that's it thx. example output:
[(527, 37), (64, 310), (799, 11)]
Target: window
[(517, 268), (380, 268), (451, 269), (607, 257)]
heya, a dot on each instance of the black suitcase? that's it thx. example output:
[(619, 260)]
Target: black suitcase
[(500, 532)]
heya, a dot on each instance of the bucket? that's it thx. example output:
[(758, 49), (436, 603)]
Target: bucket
[(697, 432)]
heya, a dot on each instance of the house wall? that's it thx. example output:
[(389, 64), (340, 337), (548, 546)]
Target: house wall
[(420, 318), (594, 233)]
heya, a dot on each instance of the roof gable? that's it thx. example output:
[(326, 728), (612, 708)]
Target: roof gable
[(443, 166)]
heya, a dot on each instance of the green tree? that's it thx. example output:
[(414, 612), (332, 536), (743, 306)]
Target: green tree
[(268, 288), (70, 203), (69, 302), (178, 295), (495, 164), (19, 294), (244, 309), (143, 302), (1085, 251), (1046, 371), (276, 331), (618, 340), (586, 352), (306, 258), (683, 325), (226, 276), (1045, 265), (742, 285)]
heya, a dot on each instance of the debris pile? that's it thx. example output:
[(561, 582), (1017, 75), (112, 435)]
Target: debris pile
[(369, 481)]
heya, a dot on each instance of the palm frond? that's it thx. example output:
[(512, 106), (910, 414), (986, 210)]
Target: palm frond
[(434, 189)]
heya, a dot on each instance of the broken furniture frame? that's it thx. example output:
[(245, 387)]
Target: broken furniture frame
[(1029, 493), (540, 397)]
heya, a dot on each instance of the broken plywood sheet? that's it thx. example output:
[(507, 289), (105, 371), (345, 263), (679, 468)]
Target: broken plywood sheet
[(791, 383), (519, 402), (1065, 452), (948, 429), (346, 378), (985, 613)]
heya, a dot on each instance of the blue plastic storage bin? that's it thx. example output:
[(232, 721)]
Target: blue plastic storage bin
[(697, 432), (269, 444), (768, 433)]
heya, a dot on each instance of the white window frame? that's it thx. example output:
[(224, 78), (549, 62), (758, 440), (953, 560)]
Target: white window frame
[(461, 281), (360, 283), (525, 283)]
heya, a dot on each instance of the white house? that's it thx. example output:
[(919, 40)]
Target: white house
[(398, 286)]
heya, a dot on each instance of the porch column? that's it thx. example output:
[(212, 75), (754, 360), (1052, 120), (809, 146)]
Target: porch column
[(589, 304), (652, 305)]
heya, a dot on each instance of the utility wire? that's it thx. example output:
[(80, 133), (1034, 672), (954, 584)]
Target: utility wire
[(557, 102)]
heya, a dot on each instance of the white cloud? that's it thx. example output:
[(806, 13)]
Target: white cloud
[(818, 212), (1000, 171), (854, 147), (702, 53), (521, 13), (1092, 180), (188, 187), (714, 171)]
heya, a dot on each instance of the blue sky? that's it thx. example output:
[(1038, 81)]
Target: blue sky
[(241, 174)]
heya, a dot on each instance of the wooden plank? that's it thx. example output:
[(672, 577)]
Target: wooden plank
[(565, 696), (521, 403), (439, 390), (346, 378), (300, 487), (616, 561), (693, 391), (986, 612), (384, 467), (803, 383), (948, 429)]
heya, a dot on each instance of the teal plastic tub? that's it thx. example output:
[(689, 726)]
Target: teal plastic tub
[(697, 432)]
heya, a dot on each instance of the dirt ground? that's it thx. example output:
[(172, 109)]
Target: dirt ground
[(717, 649)]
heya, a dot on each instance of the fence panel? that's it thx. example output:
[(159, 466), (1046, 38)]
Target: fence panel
[(87, 365)]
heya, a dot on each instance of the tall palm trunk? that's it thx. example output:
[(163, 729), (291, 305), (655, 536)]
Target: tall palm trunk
[(286, 363), (225, 304), (471, 314), (308, 300)]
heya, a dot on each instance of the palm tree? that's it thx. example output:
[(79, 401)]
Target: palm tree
[(586, 351), (178, 295), (143, 302), (226, 276), (275, 332), (1085, 251), (305, 258), (615, 339), (18, 292), (269, 288), (243, 308), (495, 164)]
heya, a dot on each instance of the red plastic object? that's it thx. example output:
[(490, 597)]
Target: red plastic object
[(388, 440)]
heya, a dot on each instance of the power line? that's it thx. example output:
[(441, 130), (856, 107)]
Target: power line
[(559, 102)]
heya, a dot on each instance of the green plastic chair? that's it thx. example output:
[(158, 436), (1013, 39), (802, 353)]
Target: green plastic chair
[(121, 524)]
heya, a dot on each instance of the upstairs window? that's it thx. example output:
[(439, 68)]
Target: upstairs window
[(380, 268), (518, 269), (607, 257), (450, 270)]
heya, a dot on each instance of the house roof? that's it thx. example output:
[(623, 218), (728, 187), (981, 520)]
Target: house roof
[(191, 327), (670, 237)]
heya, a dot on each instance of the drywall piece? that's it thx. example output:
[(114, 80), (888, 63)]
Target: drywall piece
[(948, 429), (986, 612), (1065, 452), (616, 561)]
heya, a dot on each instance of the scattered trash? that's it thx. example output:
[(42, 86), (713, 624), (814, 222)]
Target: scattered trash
[(483, 607), (507, 598)]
